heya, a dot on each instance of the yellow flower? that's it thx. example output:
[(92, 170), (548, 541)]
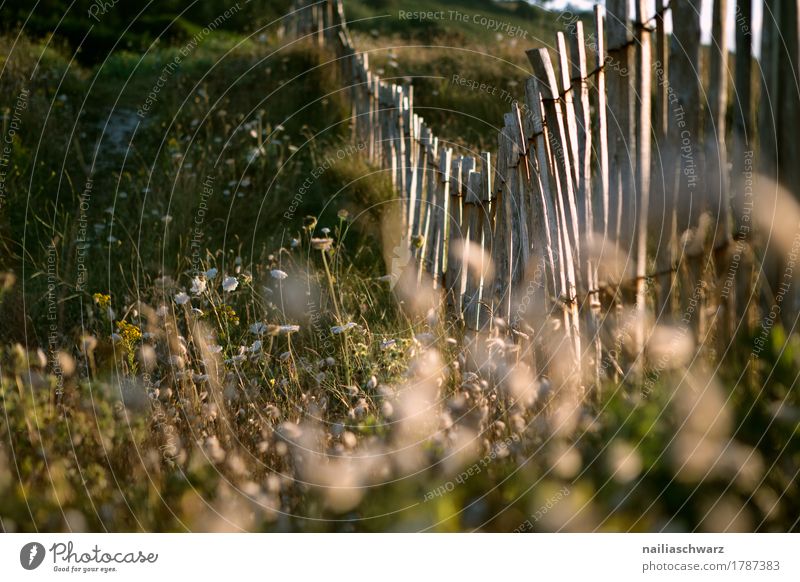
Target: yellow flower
[(102, 300), (229, 314), (129, 332)]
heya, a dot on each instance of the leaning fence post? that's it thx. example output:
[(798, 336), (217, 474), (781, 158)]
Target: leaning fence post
[(472, 243), (568, 215), (620, 79), (644, 133)]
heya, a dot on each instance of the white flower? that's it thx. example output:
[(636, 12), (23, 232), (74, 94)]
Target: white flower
[(326, 231), (322, 244), (162, 311), (288, 328), (258, 328), (198, 286), (256, 346), (215, 349), (181, 298), (278, 274), (255, 153), (197, 312), (337, 329), (211, 273), (387, 344), (295, 242), (230, 284)]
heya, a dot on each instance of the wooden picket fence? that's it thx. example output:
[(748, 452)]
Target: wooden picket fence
[(607, 197)]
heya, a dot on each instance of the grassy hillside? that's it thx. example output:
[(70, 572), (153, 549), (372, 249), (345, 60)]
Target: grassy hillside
[(447, 48)]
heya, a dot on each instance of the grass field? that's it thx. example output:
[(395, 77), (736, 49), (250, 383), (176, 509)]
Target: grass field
[(198, 332)]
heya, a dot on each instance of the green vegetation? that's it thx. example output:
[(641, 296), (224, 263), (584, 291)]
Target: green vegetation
[(204, 338)]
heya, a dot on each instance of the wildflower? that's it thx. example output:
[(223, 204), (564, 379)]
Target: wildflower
[(197, 312), (181, 298), (198, 286), (294, 243), (343, 214), (256, 347), (255, 153), (229, 314), (278, 274), (326, 231), (285, 356), (289, 328), (89, 343), (309, 222), (115, 337), (103, 301), (330, 361), (349, 439), (258, 328), (322, 244), (215, 349), (162, 311), (230, 284), (129, 332), (337, 329), (386, 344), (198, 378), (211, 273)]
